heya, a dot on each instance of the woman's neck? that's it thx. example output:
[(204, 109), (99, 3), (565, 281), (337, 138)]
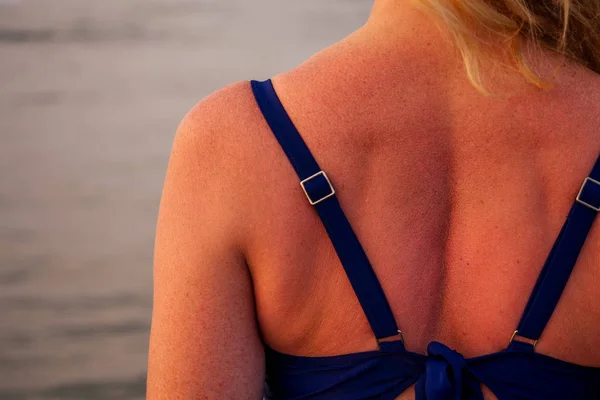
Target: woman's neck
[(394, 13)]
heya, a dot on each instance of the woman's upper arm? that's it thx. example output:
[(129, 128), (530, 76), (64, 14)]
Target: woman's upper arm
[(204, 341)]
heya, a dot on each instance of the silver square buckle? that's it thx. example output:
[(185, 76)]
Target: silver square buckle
[(585, 182), (391, 338), (322, 198), (516, 335)]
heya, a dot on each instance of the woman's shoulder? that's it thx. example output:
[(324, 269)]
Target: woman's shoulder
[(222, 128), (220, 148), (228, 107)]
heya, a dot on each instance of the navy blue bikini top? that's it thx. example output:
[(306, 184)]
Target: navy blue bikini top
[(517, 372)]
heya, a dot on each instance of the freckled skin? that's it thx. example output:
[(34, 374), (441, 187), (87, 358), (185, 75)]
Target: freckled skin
[(456, 198)]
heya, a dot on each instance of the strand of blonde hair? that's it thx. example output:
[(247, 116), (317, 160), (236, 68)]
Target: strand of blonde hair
[(570, 28)]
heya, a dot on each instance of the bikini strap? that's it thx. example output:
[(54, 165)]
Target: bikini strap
[(561, 260), (321, 194)]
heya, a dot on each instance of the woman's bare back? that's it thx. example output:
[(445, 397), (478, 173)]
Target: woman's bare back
[(456, 198)]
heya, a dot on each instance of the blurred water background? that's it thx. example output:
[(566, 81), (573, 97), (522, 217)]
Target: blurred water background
[(91, 93)]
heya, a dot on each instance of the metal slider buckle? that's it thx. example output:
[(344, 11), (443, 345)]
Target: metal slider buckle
[(585, 182), (383, 340), (303, 182), (516, 334)]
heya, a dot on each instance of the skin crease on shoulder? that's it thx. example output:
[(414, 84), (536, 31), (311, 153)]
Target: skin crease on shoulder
[(456, 198)]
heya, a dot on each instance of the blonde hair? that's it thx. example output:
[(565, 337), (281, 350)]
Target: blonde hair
[(570, 28)]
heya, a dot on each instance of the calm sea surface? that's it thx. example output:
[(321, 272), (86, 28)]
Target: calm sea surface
[(91, 93)]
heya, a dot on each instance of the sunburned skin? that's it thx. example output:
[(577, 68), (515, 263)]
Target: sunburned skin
[(456, 198)]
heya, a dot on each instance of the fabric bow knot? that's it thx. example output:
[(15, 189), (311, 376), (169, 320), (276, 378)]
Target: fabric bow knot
[(443, 375)]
